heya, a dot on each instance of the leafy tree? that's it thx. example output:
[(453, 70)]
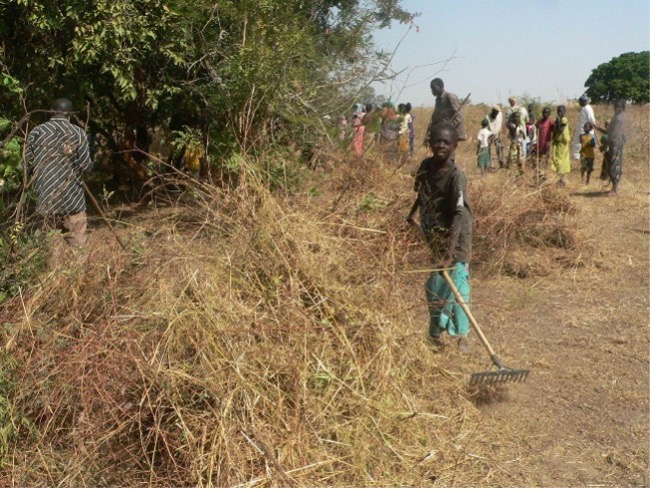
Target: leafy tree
[(624, 77), (230, 69)]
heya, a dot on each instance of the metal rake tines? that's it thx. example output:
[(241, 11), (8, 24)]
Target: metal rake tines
[(499, 376)]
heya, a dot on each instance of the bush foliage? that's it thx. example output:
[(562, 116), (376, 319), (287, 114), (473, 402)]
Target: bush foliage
[(227, 69)]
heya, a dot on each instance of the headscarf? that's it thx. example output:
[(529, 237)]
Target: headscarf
[(584, 98)]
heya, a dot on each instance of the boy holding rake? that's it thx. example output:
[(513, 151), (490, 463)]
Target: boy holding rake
[(446, 223)]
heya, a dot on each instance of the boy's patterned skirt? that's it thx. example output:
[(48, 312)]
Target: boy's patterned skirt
[(483, 158)]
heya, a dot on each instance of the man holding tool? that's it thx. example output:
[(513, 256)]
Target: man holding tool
[(446, 222), (448, 109), (57, 154)]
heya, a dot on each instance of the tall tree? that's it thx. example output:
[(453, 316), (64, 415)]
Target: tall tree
[(226, 67), (624, 77)]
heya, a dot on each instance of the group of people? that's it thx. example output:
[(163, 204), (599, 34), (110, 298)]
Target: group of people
[(441, 185), (393, 129), (545, 139), (57, 154)]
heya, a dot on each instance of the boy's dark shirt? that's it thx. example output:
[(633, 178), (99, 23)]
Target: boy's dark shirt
[(444, 209)]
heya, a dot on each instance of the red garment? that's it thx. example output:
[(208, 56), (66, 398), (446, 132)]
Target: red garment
[(544, 135), (359, 135)]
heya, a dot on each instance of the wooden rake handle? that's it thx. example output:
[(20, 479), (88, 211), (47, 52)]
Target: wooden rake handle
[(465, 307)]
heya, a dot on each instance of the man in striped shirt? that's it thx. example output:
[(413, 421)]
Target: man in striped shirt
[(57, 153)]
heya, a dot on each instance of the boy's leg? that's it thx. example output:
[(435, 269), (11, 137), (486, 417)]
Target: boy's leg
[(435, 304), (590, 168)]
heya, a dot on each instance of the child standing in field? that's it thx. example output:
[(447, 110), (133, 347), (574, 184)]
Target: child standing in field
[(544, 135), (404, 129), (587, 144), (483, 157), (561, 163), (446, 222), (517, 136), (411, 129)]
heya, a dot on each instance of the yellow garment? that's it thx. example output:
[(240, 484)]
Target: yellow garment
[(560, 162), (586, 148), (192, 156)]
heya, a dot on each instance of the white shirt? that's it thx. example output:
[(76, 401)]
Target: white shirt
[(495, 124), (483, 137), (586, 115)]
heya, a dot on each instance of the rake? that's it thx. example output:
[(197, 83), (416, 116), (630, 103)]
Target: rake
[(503, 374)]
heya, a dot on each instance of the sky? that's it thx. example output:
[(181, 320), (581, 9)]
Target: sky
[(545, 49)]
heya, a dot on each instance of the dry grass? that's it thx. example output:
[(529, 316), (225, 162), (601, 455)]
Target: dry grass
[(252, 339)]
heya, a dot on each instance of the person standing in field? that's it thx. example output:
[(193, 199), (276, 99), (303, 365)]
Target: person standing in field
[(57, 154), (517, 137), (530, 129), (604, 147), (523, 117), (411, 129), (586, 115), (495, 118), (587, 143), (616, 131), (544, 136), (561, 164), (446, 223), (448, 109), (368, 121), (404, 129), (483, 156), (389, 127), (359, 130)]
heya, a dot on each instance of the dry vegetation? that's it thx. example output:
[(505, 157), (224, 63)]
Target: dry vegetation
[(256, 339)]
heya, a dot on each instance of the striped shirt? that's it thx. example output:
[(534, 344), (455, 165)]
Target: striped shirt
[(57, 154)]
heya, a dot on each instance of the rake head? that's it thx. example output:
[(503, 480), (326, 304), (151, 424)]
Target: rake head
[(499, 376)]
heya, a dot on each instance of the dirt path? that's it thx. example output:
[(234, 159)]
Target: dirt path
[(585, 336)]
